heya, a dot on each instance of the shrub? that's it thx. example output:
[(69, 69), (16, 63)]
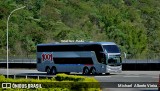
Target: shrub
[(61, 82), (64, 77)]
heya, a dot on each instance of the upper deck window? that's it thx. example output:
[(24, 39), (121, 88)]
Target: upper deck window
[(111, 48), (75, 47)]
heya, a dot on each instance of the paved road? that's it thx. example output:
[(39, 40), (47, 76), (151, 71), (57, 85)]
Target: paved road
[(125, 76), (130, 76)]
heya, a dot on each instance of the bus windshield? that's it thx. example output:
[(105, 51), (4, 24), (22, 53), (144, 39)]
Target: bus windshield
[(111, 48), (114, 61)]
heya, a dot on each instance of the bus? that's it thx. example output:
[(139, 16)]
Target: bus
[(83, 57)]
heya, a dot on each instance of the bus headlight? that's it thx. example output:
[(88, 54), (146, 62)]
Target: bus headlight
[(120, 68)]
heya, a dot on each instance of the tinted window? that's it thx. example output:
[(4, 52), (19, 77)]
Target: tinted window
[(111, 48), (82, 47), (79, 47), (81, 60)]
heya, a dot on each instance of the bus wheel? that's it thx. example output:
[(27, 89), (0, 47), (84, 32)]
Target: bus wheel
[(48, 70), (93, 71), (107, 73), (85, 71), (53, 70)]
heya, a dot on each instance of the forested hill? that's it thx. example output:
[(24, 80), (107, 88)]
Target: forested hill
[(133, 24)]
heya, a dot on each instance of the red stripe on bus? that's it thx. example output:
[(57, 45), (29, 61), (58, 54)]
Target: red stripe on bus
[(88, 64)]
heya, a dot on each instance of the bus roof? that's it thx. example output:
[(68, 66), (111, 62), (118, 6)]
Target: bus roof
[(78, 43)]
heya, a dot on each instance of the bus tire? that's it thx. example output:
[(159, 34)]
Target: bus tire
[(85, 71), (48, 70), (107, 73), (53, 71), (93, 71)]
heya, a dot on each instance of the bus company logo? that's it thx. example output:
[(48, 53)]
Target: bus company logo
[(6, 85), (47, 57)]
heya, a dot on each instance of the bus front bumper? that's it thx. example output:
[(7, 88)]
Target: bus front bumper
[(114, 69)]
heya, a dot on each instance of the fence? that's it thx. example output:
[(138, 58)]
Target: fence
[(127, 65)]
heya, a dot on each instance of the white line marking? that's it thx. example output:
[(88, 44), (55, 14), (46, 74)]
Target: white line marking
[(102, 76), (155, 77), (131, 76)]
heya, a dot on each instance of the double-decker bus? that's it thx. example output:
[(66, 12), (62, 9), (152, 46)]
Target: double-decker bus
[(85, 57)]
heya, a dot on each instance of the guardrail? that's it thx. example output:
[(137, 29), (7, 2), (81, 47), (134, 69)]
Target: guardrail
[(126, 61), (140, 61), (18, 61), (144, 65), (34, 61)]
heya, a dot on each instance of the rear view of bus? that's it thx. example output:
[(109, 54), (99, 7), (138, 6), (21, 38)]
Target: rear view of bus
[(113, 58)]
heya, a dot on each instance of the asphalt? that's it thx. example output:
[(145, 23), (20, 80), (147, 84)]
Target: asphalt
[(125, 76)]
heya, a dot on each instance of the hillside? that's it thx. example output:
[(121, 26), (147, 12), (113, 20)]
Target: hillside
[(133, 24)]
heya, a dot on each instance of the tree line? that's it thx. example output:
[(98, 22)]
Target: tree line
[(133, 24)]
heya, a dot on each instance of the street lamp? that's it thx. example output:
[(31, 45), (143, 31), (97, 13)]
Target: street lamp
[(7, 32)]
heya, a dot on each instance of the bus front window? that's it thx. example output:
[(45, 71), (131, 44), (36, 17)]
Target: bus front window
[(114, 61), (111, 48), (114, 57)]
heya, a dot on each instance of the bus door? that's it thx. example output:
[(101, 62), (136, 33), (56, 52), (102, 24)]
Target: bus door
[(103, 62)]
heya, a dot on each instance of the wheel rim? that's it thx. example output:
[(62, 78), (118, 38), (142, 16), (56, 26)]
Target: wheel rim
[(48, 70), (93, 71), (86, 71), (53, 71)]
